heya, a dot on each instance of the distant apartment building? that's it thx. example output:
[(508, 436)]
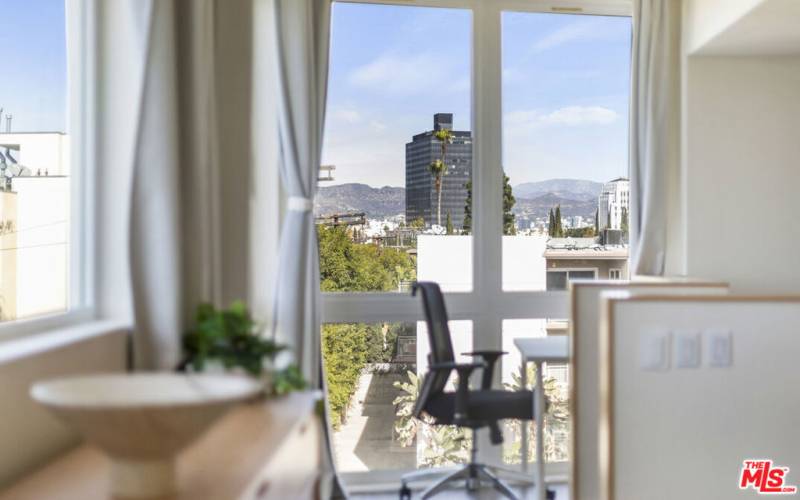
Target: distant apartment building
[(421, 196), (34, 223), (568, 259), (614, 200)]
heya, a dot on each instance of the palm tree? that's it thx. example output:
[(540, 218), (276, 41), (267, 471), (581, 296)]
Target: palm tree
[(438, 169)]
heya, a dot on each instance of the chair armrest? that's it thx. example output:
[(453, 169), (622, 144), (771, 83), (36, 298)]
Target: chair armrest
[(490, 358), (464, 370)]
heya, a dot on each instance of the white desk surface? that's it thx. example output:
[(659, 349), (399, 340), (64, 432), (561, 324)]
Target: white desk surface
[(543, 349)]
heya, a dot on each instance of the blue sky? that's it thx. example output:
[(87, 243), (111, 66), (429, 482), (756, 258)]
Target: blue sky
[(33, 54), (565, 90), (565, 86)]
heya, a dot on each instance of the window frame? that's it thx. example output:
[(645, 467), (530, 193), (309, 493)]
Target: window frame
[(568, 270), (81, 28), (487, 305)]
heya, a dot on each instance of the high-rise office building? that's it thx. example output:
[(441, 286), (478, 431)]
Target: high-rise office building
[(614, 202), (421, 196)]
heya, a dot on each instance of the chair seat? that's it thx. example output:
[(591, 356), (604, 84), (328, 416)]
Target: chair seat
[(483, 406)]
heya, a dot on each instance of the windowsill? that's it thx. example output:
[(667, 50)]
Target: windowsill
[(21, 347), (388, 480)]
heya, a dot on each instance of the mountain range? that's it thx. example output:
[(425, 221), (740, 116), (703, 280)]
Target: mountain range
[(576, 189), (534, 199)]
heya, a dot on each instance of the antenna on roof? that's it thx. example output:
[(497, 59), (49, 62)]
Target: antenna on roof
[(8, 124)]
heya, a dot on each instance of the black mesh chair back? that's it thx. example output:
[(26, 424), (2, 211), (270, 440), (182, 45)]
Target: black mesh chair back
[(438, 331)]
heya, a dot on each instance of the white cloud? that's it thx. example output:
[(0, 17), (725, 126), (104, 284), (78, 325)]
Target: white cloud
[(581, 115), (584, 29), (346, 115), (571, 116), (377, 126), (404, 74)]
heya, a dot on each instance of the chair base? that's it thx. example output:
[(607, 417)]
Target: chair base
[(473, 476)]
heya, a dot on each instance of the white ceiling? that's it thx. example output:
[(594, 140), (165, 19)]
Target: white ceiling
[(772, 27)]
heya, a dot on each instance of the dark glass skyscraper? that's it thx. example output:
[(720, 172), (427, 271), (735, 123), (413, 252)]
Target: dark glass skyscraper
[(421, 195)]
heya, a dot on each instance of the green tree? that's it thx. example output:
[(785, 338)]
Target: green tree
[(349, 267), (597, 220), (559, 229), (418, 223), (551, 224), (449, 224), (509, 226), (580, 232), (348, 348), (624, 223), (467, 226), (509, 219), (438, 169), (345, 354)]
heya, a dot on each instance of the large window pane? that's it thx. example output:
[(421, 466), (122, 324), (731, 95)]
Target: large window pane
[(556, 387), (374, 372), (565, 148), (34, 160), (394, 195)]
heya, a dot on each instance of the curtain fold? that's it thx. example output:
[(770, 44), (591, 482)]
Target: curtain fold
[(654, 129), (302, 29), (177, 209)]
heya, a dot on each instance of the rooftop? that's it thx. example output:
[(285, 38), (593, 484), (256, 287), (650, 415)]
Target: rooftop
[(583, 248)]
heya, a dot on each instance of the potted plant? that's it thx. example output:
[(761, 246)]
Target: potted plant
[(229, 339)]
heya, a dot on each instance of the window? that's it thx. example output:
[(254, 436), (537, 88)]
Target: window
[(37, 230), (558, 280), (615, 274), (372, 386), (398, 157), (401, 79)]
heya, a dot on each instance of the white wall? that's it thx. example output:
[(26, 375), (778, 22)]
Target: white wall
[(682, 433), (29, 434), (741, 171), (42, 244), (706, 19)]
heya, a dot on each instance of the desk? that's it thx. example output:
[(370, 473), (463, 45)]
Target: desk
[(539, 350), (266, 450)]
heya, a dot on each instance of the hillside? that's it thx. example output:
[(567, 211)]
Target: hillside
[(377, 203), (541, 205), (534, 199), (572, 189)]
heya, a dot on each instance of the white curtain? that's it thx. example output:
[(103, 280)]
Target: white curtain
[(185, 198), (302, 29), (655, 129)]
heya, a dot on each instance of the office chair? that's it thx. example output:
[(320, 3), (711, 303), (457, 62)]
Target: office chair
[(484, 407)]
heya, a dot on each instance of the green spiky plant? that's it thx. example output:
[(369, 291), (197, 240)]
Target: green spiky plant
[(556, 420), (444, 444)]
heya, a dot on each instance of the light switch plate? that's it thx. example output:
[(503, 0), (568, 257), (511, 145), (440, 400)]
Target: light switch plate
[(686, 348), (654, 350), (718, 346)]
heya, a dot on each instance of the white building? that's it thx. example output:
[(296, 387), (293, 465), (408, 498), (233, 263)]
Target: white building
[(34, 240), (614, 199), (447, 260)]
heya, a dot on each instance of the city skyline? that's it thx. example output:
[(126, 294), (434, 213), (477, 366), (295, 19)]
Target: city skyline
[(565, 91)]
